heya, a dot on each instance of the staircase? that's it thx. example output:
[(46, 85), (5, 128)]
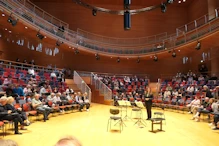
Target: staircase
[(98, 98), (71, 84)]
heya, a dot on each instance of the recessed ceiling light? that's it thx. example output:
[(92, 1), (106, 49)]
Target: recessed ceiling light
[(179, 50), (9, 31), (184, 0), (179, 2), (45, 37), (69, 47), (6, 29), (3, 15), (26, 27)]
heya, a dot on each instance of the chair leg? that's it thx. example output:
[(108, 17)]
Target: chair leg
[(108, 125)]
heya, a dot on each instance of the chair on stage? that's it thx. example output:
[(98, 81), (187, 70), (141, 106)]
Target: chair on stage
[(115, 117), (160, 115)]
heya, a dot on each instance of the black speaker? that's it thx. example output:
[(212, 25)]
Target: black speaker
[(127, 20), (127, 4)]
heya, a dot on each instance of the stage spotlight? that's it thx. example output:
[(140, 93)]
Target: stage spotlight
[(40, 36), (97, 57), (174, 54), (169, 1), (198, 46), (127, 4), (61, 28), (118, 59), (94, 12), (58, 43), (127, 20), (163, 8), (76, 51), (138, 60), (12, 21), (155, 58)]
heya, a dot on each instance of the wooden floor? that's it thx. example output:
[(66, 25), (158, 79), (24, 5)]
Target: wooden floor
[(90, 129)]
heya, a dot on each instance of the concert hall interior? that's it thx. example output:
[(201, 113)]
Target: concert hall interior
[(109, 72)]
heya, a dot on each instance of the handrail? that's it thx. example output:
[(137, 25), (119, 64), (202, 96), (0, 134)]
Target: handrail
[(40, 12), (99, 85), (122, 41), (82, 85), (188, 33), (15, 65), (87, 73)]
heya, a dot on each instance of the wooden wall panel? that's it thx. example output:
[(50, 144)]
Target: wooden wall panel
[(197, 9), (145, 24)]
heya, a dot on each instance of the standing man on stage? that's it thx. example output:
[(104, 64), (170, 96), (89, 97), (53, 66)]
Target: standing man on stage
[(148, 96)]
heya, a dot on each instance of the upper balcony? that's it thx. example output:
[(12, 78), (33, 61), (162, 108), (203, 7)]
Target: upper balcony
[(30, 14)]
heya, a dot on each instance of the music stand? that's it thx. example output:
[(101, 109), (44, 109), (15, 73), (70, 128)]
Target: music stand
[(121, 105), (127, 103), (140, 120)]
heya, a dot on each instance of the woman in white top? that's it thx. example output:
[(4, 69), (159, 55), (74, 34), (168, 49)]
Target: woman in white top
[(194, 104)]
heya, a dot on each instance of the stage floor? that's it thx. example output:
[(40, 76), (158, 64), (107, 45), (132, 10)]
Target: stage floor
[(91, 129)]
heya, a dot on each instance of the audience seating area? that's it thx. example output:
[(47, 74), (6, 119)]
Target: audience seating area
[(23, 86)]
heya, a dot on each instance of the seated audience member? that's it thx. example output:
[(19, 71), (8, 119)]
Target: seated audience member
[(129, 96), (166, 94), (57, 99), (127, 79), (194, 104), (190, 90), (27, 90), (43, 90), (116, 98), (63, 98), (18, 90), (201, 78), (86, 101), (203, 106), (215, 124), (169, 88), (55, 90), (31, 72), (79, 101), (207, 92), (68, 141), (69, 96), (211, 107), (7, 142), (23, 115), (8, 115), (7, 81), (38, 105), (50, 97), (9, 92), (60, 76), (175, 93), (53, 75)]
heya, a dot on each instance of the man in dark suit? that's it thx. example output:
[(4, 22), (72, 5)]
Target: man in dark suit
[(148, 96), (8, 115)]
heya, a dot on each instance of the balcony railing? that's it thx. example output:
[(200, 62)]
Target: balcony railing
[(43, 14), (99, 85), (113, 46), (82, 85)]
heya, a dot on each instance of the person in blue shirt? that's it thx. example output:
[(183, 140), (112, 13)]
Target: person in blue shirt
[(18, 90)]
